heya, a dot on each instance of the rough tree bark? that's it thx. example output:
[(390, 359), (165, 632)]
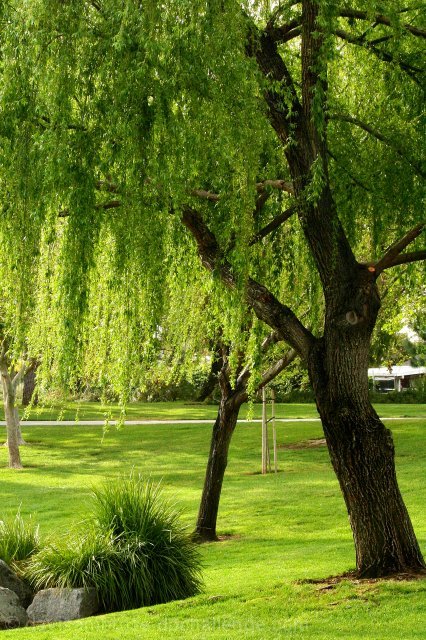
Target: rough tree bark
[(361, 447)]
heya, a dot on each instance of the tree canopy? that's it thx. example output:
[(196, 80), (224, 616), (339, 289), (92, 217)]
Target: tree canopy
[(121, 116)]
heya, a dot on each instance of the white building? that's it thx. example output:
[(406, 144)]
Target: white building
[(394, 378)]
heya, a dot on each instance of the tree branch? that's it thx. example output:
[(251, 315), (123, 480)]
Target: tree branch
[(379, 19), (112, 204), (279, 10), (379, 136), (18, 377), (245, 374), (392, 256), (274, 224), (276, 368), (283, 102), (291, 29), (406, 258), (286, 32), (104, 185), (261, 187), (264, 304), (354, 179), (379, 53)]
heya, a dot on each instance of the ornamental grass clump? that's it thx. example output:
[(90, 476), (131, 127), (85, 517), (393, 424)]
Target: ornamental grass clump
[(19, 540), (135, 552)]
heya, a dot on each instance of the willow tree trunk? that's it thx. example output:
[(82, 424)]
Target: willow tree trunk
[(223, 429), (12, 420), (361, 449)]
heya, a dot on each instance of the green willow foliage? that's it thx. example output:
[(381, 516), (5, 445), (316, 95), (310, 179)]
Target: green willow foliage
[(112, 113)]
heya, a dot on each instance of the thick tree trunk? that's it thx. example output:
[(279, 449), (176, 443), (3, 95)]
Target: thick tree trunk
[(218, 459), (362, 452)]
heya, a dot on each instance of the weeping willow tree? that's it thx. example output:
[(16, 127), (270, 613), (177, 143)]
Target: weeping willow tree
[(283, 138)]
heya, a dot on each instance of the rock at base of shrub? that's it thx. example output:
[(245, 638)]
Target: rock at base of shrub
[(59, 605), (12, 614), (9, 580)]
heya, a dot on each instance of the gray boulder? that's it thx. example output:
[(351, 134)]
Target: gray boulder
[(59, 605), (11, 613), (9, 580)]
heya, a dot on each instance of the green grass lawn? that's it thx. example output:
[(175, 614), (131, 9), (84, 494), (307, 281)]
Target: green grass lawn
[(187, 410), (284, 528)]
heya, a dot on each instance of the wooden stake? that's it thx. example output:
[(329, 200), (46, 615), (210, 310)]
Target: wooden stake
[(274, 431), (264, 433)]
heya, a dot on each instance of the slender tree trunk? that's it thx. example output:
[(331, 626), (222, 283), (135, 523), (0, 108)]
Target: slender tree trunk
[(12, 425), (231, 400), (218, 459)]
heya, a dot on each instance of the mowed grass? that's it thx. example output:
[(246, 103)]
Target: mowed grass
[(80, 411), (283, 529)]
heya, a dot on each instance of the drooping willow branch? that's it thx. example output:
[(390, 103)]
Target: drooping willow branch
[(379, 136), (385, 56)]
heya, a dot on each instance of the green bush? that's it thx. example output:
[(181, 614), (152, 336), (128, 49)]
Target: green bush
[(135, 552), (406, 396), (18, 540)]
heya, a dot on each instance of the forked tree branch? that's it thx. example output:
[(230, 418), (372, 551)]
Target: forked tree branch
[(245, 374), (406, 258), (281, 96), (276, 368), (286, 32), (393, 255), (291, 29)]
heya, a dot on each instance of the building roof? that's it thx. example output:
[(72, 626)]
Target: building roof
[(396, 372)]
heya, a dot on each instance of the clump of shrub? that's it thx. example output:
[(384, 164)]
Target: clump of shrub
[(19, 540), (134, 552)]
